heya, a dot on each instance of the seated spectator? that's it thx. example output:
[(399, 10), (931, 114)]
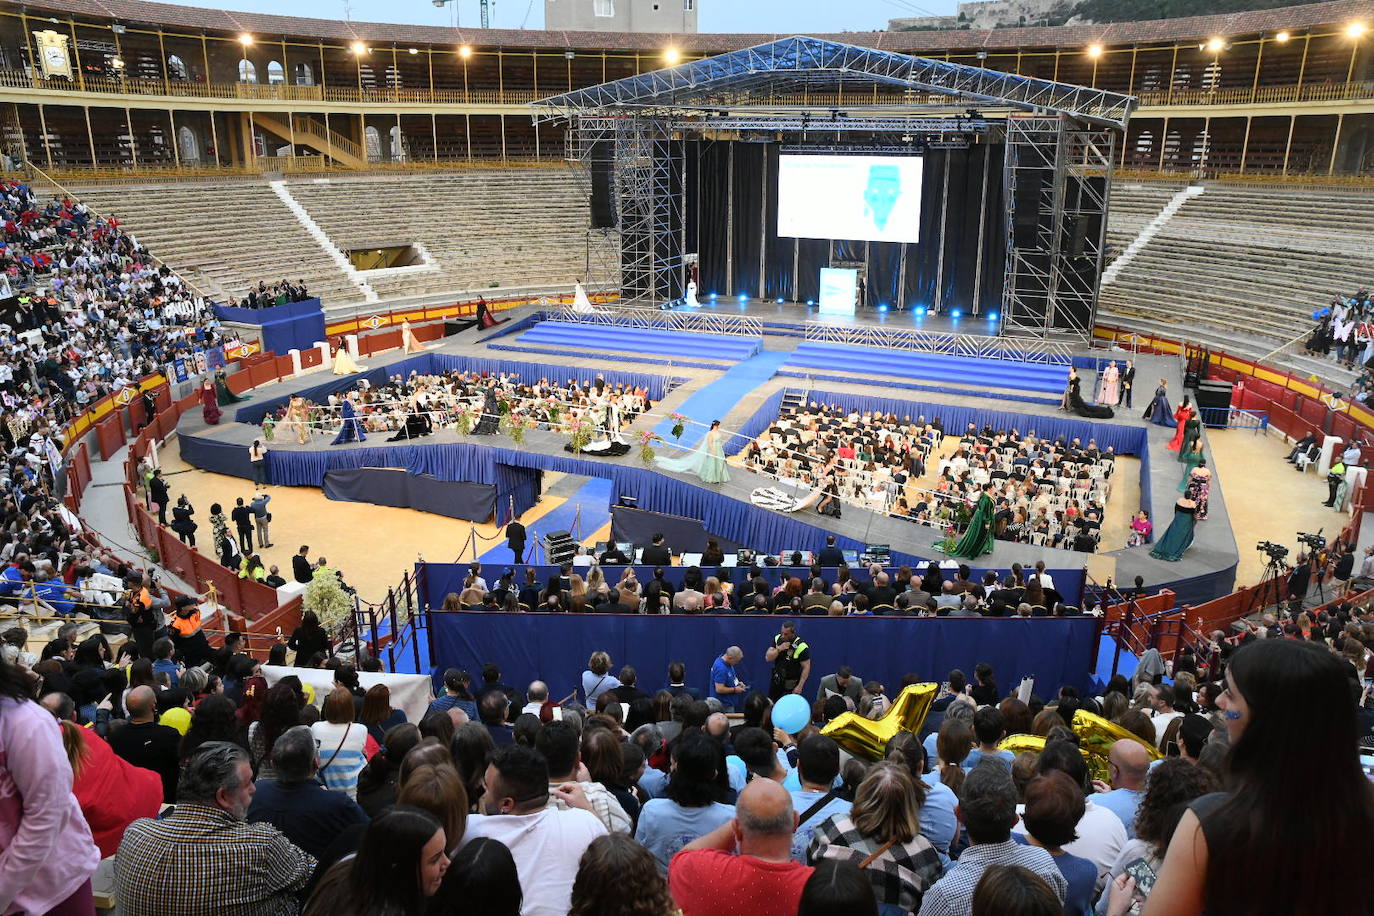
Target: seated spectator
[(838, 888), (147, 744), (617, 875), (597, 679), (546, 843), (561, 747), (1010, 890), (818, 765), (1233, 853), (989, 729), (692, 805), (481, 878), (1101, 834), (1053, 806), (882, 833), (937, 801), (399, 866), (1127, 765), (238, 867), (295, 803), (341, 743), (747, 860), (987, 809)]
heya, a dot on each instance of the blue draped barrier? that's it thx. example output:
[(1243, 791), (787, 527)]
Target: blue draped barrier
[(472, 502), (554, 648), (442, 578), (433, 363), (292, 326)]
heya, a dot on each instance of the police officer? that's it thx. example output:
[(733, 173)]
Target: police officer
[(791, 658)]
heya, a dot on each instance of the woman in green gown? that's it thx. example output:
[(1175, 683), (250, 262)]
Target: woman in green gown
[(1179, 537), (707, 461), (223, 396), (1190, 457), (978, 537), (1192, 436)]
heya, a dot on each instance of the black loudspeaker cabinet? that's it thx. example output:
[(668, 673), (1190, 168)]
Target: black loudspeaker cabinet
[(1216, 395), (603, 209), (1026, 207)]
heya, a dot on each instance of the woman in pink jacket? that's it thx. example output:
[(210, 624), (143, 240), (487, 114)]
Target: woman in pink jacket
[(47, 856)]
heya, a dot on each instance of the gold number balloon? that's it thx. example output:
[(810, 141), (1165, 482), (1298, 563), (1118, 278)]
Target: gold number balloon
[(868, 738), (1096, 736)]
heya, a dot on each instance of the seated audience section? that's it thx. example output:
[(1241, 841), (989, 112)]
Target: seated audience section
[(1056, 651), (559, 335)]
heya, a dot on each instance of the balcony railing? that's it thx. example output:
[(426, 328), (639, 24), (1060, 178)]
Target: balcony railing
[(1262, 95)]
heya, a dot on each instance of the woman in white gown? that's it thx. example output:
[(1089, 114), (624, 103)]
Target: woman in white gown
[(343, 362), (689, 299), (1108, 386), (409, 342)]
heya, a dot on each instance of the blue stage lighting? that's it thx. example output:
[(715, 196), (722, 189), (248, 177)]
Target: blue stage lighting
[(810, 302), (956, 314), (882, 306), (779, 301), (743, 297), (920, 311), (992, 316), (713, 295)]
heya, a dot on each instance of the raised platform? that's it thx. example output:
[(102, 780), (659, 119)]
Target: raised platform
[(593, 337), (1028, 378)]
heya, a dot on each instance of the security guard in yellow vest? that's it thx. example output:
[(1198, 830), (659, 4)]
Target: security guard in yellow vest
[(791, 658)]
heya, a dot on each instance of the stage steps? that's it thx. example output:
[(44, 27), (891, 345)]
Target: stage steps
[(602, 337), (813, 358), (614, 357)]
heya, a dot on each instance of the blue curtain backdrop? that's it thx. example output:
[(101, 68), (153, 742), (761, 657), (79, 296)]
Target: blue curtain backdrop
[(428, 363), (294, 325), (441, 578), (554, 648)]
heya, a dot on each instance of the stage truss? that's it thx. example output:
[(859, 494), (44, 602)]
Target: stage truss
[(627, 130)]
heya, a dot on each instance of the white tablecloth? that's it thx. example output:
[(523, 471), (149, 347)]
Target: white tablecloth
[(410, 693)]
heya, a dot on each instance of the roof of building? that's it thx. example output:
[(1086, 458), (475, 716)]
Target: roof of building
[(132, 12)]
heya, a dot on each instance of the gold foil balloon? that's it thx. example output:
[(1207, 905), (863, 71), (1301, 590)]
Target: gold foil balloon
[(868, 738), (1020, 743), (1096, 736)]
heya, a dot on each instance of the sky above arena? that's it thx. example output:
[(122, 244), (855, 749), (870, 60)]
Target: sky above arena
[(786, 16)]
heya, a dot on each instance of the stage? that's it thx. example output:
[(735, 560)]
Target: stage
[(1208, 568)]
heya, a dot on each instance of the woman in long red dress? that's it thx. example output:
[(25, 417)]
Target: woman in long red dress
[(210, 408), (1182, 415)]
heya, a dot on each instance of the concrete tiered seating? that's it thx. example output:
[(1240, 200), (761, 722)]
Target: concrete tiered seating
[(935, 368), (224, 237), (488, 227), (571, 337), (1132, 207), (1250, 261)]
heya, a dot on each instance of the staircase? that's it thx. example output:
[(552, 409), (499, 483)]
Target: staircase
[(1150, 230), (306, 131), (335, 253)]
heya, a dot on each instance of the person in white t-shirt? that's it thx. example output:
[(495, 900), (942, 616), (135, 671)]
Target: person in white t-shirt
[(546, 843), (1101, 835), (1164, 712)]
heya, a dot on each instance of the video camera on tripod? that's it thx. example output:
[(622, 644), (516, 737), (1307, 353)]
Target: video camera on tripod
[(1314, 542), (1275, 552)]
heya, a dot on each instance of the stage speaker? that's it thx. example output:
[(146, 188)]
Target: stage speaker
[(458, 327), (1030, 184), (603, 208), (559, 547), (1215, 394)]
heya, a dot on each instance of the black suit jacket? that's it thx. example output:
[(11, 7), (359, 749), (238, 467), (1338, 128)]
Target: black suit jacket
[(515, 533), (831, 557), (301, 569), (656, 556), (243, 518)]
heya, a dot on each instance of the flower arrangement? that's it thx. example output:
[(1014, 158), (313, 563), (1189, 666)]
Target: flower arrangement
[(646, 446), (554, 412), (326, 597), (581, 434), (949, 543), (462, 421), (679, 424)]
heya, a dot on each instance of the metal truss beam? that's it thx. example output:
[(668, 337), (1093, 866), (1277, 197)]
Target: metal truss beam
[(868, 125), (803, 61)]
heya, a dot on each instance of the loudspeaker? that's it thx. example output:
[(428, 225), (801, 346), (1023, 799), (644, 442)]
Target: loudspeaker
[(603, 209), (1215, 394), (1025, 212)]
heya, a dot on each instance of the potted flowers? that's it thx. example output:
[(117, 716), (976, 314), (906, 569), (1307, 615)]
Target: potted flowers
[(679, 424), (646, 446)]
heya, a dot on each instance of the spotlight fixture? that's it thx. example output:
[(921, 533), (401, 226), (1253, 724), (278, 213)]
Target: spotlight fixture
[(570, 54), (956, 314), (414, 50), (1281, 37), (992, 316), (117, 28), (358, 48), (1356, 30), (672, 57), (245, 39), (117, 63), (920, 311), (465, 52), (1094, 51), (1216, 45)]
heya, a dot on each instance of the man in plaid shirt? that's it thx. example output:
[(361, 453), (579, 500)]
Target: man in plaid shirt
[(987, 808), (203, 857)]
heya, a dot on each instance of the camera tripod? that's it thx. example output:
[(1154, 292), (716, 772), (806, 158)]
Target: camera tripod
[(1275, 575)]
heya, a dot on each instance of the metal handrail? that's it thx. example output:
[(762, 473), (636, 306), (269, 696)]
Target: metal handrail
[(1016, 349), (654, 319)]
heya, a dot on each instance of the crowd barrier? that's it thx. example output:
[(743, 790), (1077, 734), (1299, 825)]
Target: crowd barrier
[(554, 648)]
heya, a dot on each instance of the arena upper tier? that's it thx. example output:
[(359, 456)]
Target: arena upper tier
[(156, 86)]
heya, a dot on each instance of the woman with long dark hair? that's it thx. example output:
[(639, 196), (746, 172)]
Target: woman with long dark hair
[(1274, 842), (377, 713), (308, 638), (693, 804), (281, 709), (399, 866), (616, 877), (483, 879), (377, 781)]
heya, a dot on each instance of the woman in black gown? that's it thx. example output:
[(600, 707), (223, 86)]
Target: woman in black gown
[(491, 419), (1093, 411)]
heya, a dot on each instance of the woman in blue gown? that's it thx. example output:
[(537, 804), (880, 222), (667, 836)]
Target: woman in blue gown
[(707, 461), (1159, 411), (1179, 537), (352, 427)]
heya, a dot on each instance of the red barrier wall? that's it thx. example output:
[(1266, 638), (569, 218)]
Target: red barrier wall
[(109, 434)]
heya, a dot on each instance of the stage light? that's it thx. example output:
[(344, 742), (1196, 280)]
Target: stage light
[(1356, 30), (712, 296), (779, 301), (465, 52), (956, 314), (1094, 51), (920, 311), (1216, 45), (992, 316), (743, 297), (810, 301), (117, 63), (245, 39), (414, 50), (882, 306), (358, 48), (672, 57), (1281, 37)]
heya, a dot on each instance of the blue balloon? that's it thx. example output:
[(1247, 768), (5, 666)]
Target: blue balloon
[(791, 713)]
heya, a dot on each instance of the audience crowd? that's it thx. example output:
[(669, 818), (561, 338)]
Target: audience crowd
[(633, 798), (1046, 493)]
